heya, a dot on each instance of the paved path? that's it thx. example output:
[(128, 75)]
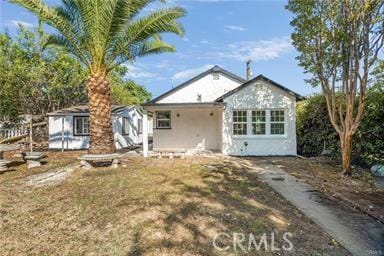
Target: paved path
[(358, 233)]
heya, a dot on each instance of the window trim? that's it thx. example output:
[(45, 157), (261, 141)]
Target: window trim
[(277, 122), (267, 134), (259, 122), (170, 120), (74, 126), (123, 126), (246, 122)]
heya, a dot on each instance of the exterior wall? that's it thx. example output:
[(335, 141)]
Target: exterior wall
[(260, 95), (193, 129), (55, 126), (134, 137), (72, 141), (209, 89)]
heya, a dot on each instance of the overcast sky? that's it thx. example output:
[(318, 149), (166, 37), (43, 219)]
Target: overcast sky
[(218, 32)]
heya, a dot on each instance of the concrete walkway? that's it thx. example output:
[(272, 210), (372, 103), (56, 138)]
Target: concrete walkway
[(358, 233)]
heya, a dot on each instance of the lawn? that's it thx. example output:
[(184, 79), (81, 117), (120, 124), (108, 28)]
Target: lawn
[(149, 207)]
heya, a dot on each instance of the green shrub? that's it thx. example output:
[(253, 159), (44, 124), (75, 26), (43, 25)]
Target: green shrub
[(315, 132)]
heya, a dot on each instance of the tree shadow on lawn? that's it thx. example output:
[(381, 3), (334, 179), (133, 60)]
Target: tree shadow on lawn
[(152, 207), (227, 200)]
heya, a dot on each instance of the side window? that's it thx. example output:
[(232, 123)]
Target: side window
[(163, 119), (239, 122), (125, 127), (140, 126), (277, 122), (81, 126)]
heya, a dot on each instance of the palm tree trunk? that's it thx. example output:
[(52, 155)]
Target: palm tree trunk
[(346, 152), (101, 139)]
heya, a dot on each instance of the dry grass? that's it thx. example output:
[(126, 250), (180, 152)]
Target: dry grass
[(325, 175), (151, 207)]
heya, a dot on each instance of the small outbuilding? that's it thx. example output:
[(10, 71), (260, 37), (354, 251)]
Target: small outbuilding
[(68, 128)]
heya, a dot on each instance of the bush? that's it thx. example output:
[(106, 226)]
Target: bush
[(316, 133)]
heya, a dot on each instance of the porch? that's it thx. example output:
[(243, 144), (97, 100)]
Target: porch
[(187, 127)]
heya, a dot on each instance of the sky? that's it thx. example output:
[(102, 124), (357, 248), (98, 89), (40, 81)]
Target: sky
[(217, 32)]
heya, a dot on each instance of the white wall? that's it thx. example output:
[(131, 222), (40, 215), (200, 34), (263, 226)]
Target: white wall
[(82, 142), (260, 95), (70, 141), (194, 129), (209, 89), (134, 137)]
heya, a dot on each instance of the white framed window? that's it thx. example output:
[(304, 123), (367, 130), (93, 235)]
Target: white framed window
[(277, 122), (163, 119), (140, 126), (125, 126), (239, 122), (259, 122), (81, 125)]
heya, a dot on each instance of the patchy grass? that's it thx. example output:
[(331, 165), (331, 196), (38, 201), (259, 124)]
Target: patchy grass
[(325, 175), (151, 207)]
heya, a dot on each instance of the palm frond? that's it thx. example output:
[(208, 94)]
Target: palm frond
[(102, 33), (51, 16), (154, 45), (160, 21)]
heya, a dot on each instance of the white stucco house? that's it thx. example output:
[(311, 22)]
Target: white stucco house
[(220, 111), (68, 128)]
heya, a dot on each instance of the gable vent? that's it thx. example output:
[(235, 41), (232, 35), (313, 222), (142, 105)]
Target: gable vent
[(216, 76)]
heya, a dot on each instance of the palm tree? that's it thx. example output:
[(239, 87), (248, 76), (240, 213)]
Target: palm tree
[(104, 34)]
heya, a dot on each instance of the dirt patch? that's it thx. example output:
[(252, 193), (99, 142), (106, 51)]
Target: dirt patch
[(325, 175)]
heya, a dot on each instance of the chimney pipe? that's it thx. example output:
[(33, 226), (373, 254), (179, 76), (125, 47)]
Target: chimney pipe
[(248, 71)]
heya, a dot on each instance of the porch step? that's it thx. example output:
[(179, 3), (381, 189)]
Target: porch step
[(168, 153)]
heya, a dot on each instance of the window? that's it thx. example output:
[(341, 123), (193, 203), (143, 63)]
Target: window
[(277, 122), (140, 126), (125, 127), (258, 122), (240, 122), (163, 119), (80, 125)]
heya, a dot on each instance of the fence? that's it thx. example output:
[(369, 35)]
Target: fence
[(13, 132)]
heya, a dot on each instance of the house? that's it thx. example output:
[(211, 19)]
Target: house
[(68, 128), (220, 111)]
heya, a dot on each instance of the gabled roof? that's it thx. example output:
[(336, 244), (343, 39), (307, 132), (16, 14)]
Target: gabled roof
[(83, 109), (215, 69), (260, 77)]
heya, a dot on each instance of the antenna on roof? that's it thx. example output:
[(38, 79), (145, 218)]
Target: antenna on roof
[(248, 73)]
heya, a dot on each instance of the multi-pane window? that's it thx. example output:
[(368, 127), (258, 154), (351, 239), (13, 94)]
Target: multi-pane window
[(240, 122), (126, 125), (277, 122), (258, 122), (163, 119), (81, 126)]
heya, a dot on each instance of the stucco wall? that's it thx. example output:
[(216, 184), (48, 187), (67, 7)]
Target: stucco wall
[(260, 95), (209, 89), (194, 129), (82, 142)]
